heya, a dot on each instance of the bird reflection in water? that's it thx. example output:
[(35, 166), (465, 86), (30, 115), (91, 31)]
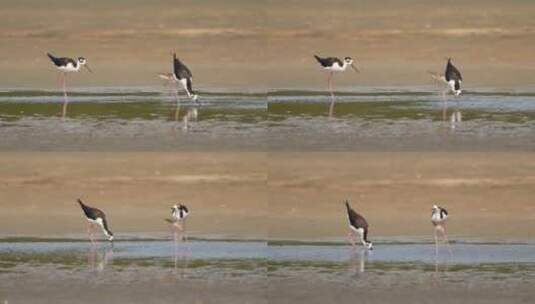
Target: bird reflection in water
[(181, 256), (357, 261), (99, 258)]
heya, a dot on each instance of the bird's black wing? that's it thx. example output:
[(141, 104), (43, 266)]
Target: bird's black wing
[(329, 61), (355, 219), (90, 212), (180, 69), (61, 61), (452, 73), (443, 212)]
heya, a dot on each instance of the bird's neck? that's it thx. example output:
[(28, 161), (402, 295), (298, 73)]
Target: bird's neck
[(344, 66)]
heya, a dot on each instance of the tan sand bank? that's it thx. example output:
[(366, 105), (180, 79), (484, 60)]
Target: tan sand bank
[(489, 196), (265, 44), (225, 192)]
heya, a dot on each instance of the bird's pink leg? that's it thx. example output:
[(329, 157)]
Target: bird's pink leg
[(351, 239), (183, 230), (445, 235), (177, 109), (331, 107), (175, 232), (436, 240), (90, 232), (65, 100), (444, 106)]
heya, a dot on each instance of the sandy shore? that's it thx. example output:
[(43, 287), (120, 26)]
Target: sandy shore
[(488, 195), (239, 44), (226, 192)]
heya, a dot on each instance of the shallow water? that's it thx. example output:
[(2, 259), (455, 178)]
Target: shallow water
[(462, 253), (261, 270), (370, 119)]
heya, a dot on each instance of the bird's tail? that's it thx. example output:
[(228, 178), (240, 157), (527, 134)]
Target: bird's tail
[(317, 58)]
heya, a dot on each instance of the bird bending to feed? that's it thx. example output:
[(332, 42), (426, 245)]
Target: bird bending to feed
[(453, 77), (181, 74), (67, 65), (179, 212), (333, 64), (439, 216), (95, 217), (357, 225)]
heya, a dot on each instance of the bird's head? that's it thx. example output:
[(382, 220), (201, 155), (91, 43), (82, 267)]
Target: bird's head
[(349, 61), (174, 207), (369, 245), (434, 208), (83, 61), (109, 235)]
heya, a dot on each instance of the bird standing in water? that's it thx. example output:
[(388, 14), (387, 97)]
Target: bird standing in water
[(452, 80), (439, 216), (357, 225), (179, 213), (97, 217), (67, 65), (333, 64)]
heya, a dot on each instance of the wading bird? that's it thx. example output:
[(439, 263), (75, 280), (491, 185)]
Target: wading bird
[(95, 217), (178, 219), (67, 65), (451, 80), (357, 225), (181, 74), (439, 216), (333, 64)]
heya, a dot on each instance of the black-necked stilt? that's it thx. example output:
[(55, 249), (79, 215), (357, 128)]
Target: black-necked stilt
[(98, 217), (357, 225), (179, 213), (333, 64), (181, 74), (67, 65), (439, 216), (453, 78)]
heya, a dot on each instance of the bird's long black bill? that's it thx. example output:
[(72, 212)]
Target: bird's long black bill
[(87, 67), (354, 67)]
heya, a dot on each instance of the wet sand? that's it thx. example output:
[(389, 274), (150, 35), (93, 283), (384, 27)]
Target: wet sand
[(277, 195), (148, 285), (211, 272)]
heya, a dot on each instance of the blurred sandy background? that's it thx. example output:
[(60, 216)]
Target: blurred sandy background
[(276, 195), (242, 44)]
